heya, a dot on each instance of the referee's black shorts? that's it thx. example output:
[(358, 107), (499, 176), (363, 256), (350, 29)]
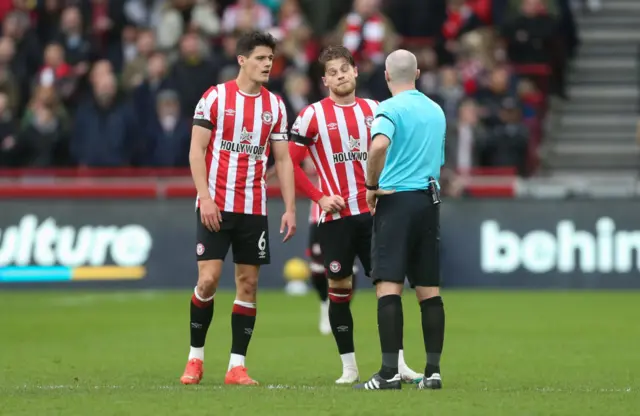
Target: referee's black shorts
[(406, 239)]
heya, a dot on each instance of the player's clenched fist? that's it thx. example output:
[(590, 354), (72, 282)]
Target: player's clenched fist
[(333, 203), (210, 214)]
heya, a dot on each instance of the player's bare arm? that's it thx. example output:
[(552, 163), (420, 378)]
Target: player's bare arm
[(307, 167), (284, 168), (328, 203), (209, 212), (375, 163)]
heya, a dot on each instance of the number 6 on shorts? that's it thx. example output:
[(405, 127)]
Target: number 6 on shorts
[(251, 244), (262, 246), (262, 242)]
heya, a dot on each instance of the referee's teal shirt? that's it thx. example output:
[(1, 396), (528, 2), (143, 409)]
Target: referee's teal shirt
[(416, 126)]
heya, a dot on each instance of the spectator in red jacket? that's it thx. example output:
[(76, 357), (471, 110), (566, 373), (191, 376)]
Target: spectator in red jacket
[(55, 68), (461, 18)]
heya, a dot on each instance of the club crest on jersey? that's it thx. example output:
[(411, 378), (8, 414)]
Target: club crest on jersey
[(368, 121), (243, 145), (353, 155), (200, 249), (335, 267), (267, 117)]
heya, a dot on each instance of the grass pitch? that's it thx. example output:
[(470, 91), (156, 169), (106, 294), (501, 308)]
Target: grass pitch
[(506, 353)]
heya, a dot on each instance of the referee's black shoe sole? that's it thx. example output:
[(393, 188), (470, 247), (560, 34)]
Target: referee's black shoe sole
[(432, 383), (378, 383)]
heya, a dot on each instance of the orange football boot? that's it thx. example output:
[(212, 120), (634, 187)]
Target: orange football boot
[(193, 373), (238, 375)]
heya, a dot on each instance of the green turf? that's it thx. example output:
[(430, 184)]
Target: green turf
[(508, 353)]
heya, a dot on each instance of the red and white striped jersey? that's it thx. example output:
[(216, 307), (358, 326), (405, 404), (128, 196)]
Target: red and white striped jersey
[(338, 139), (242, 127)]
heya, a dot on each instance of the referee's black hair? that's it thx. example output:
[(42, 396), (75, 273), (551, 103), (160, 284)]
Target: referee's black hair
[(247, 42)]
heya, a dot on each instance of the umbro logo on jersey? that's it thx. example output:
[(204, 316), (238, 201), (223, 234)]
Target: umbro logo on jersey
[(230, 112), (332, 126)]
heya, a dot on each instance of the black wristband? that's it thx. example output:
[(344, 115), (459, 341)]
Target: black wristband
[(372, 187)]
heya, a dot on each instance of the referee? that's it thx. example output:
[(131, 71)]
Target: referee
[(403, 168)]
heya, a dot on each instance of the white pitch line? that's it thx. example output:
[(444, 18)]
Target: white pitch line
[(172, 387), (305, 387)]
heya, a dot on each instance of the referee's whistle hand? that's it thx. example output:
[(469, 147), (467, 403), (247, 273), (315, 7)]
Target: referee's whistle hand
[(332, 203), (210, 214)]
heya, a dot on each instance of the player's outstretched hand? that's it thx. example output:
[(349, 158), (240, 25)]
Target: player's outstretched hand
[(332, 203), (288, 222), (372, 198), (210, 214)]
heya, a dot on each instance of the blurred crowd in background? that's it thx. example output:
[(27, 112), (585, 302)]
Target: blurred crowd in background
[(110, 83)]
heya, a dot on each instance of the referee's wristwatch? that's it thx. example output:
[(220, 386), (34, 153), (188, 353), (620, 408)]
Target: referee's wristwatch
[(372, 187)]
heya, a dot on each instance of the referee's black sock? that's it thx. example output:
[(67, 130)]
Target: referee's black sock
[(341, 319), (389, 321), (321, 285), (200, 318), (433, 332), (400, 328)]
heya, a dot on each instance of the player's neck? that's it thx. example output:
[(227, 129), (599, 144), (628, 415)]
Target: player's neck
[(346, 100), (248, 86), (399, 88)]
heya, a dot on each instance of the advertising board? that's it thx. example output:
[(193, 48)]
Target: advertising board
[(542, 243), (151, 244), (117, 244)]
